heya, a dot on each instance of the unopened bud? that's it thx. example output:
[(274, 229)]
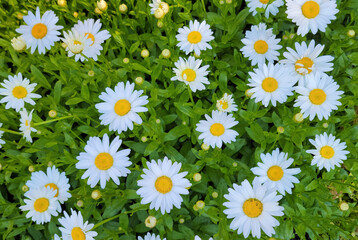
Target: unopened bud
[(166, 53), (200, 204), (97, 11), (344, 206), (96, 194), (126, 60), (164, 6), (160, 24), (123, 8), (18, 43), (62, 3), (19, 16), (31, 168), (144, 53), (234, 164), (139, 80), (248, 93), (351, 33), (280, 129), (144, 139), (150, 222), (214, 194), (159, 13), (205, 147), (80, 203), (298, 118), (50, 164), (102, 5), (181, 220), (157, 120), (90, 73), (197, 177), (75, 14), (25, 188), (325, 125), (52, 113)]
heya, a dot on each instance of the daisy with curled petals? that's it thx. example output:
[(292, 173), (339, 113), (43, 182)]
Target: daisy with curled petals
[(311, 15), (226, 104), (74, 228), (103, 161), (90, 29), (41, 204), (253, 208), (318, 97), (25, 124), (121, 107), (40, 32), (329, 151), (260, 44), (150, 237), (17, 91), (195, 38), (77, 43), (306, 60), (190, 72), (270, 7), (216, 130), (270, 83), (54, 179), (274, 173), (1, 133), (162, 185), (158, 4)]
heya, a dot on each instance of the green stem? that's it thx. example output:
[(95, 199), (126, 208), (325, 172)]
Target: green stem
[(52, 120), (10, 131), (202, 1), (273, 145), (190, 94), (105, 221)]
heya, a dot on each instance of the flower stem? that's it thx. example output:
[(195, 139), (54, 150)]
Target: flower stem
[(52, 120), (105, 221), (10, 131), (190, 95)]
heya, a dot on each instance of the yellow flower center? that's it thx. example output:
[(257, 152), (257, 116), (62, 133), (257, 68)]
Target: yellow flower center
[(19, 92), (122, 107), (194, 37), (327, 152), (54, 187), (104, 161), (77, 42), (217, 129), (163, 184), (252, 207), (261, 46), (41, 204), (275, 173), (27, 123), (90, 36), (310, 9), (269, 84), (306, 63), (39, 30), (77, 234), (264, 1), (317, 96), (224, 104), (188, 75)]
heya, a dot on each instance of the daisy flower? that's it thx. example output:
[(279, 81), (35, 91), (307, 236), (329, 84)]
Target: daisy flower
[(40, 32), (54, 179), (121, 106), (273, 172), (41, 204), (190, 72), (150, 237), (270, 8), (90, 29), (198, 238), (17, 91), (311, 15), (25, 124), (56, 237), (74, 228), (157, 4), (318, 97), (103, 161), (195, 38), (252, 208), (270, 83), (18, 43), (260, 44), (226, 104), (216, 130), (329, 151), (77, 43), (1, 133), (306, 60), (162, 185)]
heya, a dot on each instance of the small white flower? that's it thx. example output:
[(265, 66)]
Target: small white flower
[(150, 237), (77, 43), (226, 104), (1, 133), (25, 124), (158, 4), (270, 8), (18, 43)]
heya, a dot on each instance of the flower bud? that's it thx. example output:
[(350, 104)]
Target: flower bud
[(75, 14), (197, 177), (139, 80), (62, 3), (160, 24), (181, 220), (19, 16), (351, 33), (298, 118), (248, 93), (50, 164), (123, 8), (96, 194), (200, 204), (344, 206), (25, 188), (52, 113), (97, 11), (18, 43), (144, 139), (80, 203), (280, 129), (126, 60), (234, 164), (214, 194), (205, 147), (150, 222), (159, 13), (31, 168), (166, 53), (164, 6), (102, 5), (144, 53), (325, 125)]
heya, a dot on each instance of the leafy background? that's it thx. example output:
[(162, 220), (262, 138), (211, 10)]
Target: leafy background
[(311, 211)]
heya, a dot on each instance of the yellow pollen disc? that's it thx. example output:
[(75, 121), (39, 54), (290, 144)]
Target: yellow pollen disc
[(122, 107), (275, 173), (269, 84), (163, 184), (54, 187), (327, 152), (41, 204), (252, 207), (104, 161), (261, 46), (310, 9), (194, 37), (224, 104), (217, 129), (77, 234), (27, 123), (90, 36), (264, 1), (19, 92), (39, 31), (190, 75), (307, 64), (317, 96), (77, 42)]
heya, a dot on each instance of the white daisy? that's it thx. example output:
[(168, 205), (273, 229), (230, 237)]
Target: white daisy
[(162, 185), (273, 172), (42, 204), (121, 106), (90, 28), (25, 124), (150, 237), (260, 44), (77, 44), (305, 60), (318, 97), (226, 104), (158, 4), (103, 161), (54, 179), (17, 91), (216, 130), (195, 38), (311, 15), (56, 237), (198, 238), (329, 151), (270, 83), (253, 208), (190, 72), (74, 228), (40, 32), (270, 7), (18, 43), (1, 133)]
